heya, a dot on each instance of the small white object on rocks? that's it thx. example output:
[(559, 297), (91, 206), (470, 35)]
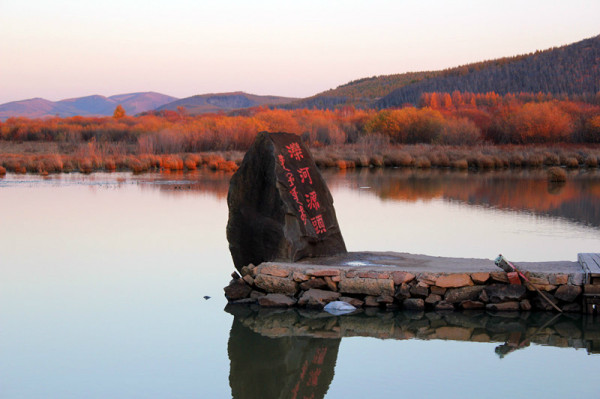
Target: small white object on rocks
[(337, 308)]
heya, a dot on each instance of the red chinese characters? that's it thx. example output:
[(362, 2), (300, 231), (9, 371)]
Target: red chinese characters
[(318, 224), (304, 174), (291, 179), (295, 151), (282, 162), (311, 201), (303, 216), (294, 194), (299, 181)]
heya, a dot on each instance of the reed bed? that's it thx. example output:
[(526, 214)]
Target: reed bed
[(459, 157), (54, 163), (348, 156)]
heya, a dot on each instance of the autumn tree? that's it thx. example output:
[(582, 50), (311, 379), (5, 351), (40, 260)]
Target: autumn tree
[(459, 131), (407, 125), (119, 112), (446, 101), (183, 112)]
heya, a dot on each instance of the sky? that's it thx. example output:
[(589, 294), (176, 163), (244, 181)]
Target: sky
[(57, 49)]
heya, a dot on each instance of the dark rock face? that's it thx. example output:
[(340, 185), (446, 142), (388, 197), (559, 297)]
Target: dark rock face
[(443, 305), (413, 304), (567, 293), (503, 306), (500, 293), (315, 298), (541, 304), (276, 301), (237, 289), (402, 292), (419, 291), (313, 283), (455, 295), (279, 205)]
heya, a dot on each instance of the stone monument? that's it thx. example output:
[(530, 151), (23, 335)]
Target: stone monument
[(279, 205)]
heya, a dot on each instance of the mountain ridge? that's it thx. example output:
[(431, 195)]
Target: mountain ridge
[(223, 102), (92, 105)]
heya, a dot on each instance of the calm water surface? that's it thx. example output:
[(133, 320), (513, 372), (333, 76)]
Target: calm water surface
[(102, 280)]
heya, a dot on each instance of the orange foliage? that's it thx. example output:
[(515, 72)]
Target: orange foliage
[(532, 194), (459, 118), (119, 112)]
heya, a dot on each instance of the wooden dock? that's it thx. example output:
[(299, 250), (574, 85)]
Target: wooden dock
[(590, 262)]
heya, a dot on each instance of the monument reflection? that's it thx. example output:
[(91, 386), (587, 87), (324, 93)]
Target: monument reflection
[(292, 353), (268, 362)]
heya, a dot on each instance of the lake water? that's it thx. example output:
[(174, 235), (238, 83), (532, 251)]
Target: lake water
[(103, 278)]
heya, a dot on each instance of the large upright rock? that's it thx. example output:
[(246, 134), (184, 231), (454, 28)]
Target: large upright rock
[(279, 205)]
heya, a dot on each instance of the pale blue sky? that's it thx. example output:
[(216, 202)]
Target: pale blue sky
[(69, 48)]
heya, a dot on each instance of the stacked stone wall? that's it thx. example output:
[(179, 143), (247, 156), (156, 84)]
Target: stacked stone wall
[(313, 286)]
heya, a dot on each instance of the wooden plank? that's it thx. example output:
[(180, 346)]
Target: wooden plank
[(590, 262), (596, 259), (591, 289)]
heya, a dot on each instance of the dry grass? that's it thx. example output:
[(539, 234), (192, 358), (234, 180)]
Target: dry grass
[(571, 162), (54, 163), (591, 161), (484, 157), (557, 174), (91, 158)]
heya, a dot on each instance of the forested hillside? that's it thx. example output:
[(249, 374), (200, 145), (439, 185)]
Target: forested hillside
[(362, 92), (570, 70)]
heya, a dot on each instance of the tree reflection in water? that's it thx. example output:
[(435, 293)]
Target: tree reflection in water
[(515, 190)]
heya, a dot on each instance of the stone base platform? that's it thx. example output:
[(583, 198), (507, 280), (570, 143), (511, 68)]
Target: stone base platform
[(392, 280)]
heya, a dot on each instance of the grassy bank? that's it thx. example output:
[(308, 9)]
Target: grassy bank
[(44, 158), (458, 157)]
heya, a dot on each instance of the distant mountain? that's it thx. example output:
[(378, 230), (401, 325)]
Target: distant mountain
[(134, 103), (94, 105), (217, 102), (571, 69), (32, 108), (89, 105)]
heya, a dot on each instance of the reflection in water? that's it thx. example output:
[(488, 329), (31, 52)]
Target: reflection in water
[(292, 353), (512, 331), (578, 199), (201, 181), (528, 190), (177, 183), (272, 364), (102, 278)]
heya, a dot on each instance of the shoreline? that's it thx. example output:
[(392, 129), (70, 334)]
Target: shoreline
[(50, 158)]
